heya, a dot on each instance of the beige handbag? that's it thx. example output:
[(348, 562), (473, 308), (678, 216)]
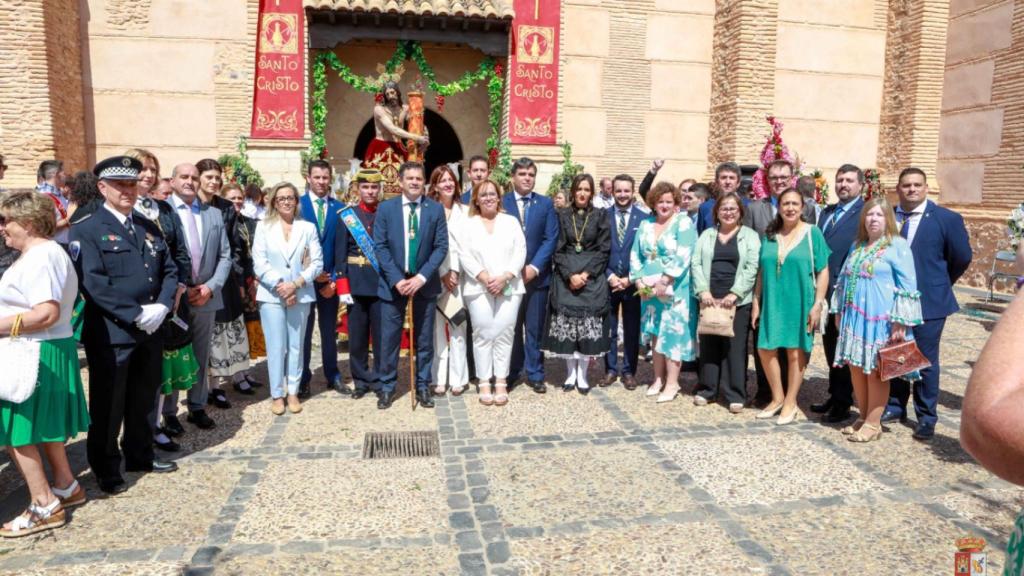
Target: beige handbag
[(716, 321)]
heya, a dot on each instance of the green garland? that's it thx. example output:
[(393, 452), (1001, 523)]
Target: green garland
[(489, 70), (237, 168)]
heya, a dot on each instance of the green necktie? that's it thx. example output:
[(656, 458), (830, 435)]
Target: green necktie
[(414, 239), (320, 214), (622, 226)]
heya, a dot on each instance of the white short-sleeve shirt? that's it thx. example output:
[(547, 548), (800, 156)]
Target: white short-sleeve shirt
[(41, 274)]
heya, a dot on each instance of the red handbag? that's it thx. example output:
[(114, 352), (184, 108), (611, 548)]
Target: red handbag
[(900, 359)]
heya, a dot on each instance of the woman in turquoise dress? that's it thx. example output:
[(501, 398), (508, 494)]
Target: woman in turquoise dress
[(789, 299), (660, 268), (876, 299)]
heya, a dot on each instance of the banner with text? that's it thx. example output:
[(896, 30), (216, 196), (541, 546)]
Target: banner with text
[(279, 94), (533, 72)]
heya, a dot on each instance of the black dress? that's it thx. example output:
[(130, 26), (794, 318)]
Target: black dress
[(577, 320)]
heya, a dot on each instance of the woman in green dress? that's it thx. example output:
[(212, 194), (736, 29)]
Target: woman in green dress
[(789, 299), (660, 268)]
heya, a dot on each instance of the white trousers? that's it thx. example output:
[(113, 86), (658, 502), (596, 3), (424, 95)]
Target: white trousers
[(494, 323), (284, 329), (449, 354)]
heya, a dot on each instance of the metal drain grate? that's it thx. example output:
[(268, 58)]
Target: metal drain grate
[(378, 445)]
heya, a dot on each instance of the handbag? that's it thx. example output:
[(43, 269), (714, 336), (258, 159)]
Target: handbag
[(450, 306), (900, 359), (716, 321), (20, 359), (823, 317)]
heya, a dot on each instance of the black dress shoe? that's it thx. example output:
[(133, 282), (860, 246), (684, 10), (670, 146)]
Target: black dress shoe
[(247, 391), (424, 398), (538, 386), (890, 415), (924, 432), (112, 485), (219, 398), (304, 392), (359, 393), (583, 391), (341, 387), (200, 419), (837, 414), (567, 387), (169, 446), (252, 382), (822, 407), (384, 400), (156, 466), (172, 426), (629, 382)]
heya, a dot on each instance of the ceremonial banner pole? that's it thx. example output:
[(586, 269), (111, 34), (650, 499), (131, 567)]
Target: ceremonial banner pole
[(412, 352)]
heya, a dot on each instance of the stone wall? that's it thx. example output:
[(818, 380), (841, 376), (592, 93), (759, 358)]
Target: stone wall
[(41, 109)]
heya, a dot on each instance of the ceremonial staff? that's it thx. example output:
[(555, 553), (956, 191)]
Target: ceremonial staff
[(412, 352)]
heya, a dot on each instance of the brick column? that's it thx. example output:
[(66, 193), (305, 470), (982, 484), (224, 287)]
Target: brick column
[(742, 79), (915, 59), (41, 110)]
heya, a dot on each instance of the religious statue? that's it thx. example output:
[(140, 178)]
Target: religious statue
[(386, 152)]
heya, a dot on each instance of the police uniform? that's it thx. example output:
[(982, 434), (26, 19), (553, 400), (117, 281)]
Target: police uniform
[(357, 277), (124, 264)]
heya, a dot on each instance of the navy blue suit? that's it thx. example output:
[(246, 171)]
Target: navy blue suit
[(364, 312), (942, 253), (625, 300), (390, 242), (541, 232), (325, 312), (839, 236)]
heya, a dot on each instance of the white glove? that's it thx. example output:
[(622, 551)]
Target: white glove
[(151, 317), (347, 299)]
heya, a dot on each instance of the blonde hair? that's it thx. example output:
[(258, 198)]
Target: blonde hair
[(272, 215), (141, 154), (31, 210), (891, 229), (477, 188)]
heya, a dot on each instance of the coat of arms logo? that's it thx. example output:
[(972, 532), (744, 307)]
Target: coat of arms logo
[(536, 45), (278, 34)]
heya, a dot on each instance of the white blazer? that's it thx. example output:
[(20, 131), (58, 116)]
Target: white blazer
[(499, 252), (275, 260), (456, 224)]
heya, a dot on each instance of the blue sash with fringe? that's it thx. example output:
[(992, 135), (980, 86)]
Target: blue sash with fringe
[(358, 231)]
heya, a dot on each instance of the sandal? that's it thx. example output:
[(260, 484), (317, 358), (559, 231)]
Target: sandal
[(485, 395), (73, 495), (500, 395), (458, 391), (439, 390), (848, 430), (873, 433), (36, 519)]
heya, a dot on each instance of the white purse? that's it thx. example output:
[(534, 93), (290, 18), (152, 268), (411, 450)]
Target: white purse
[(20, 359)]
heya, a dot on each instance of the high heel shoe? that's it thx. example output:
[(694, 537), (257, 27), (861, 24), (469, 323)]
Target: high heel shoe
[(667, 396), (768, 412), (783, 420), (873, 433), (655, 388), (485, 396), (848, 430)]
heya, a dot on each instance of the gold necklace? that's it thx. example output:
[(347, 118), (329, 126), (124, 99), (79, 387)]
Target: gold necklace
[(575, 231)]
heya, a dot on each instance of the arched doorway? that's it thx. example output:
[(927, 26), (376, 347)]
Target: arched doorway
[(444, 143)]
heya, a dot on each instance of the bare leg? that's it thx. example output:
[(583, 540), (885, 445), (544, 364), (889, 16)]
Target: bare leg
[(659, 371), (772, 371), (672, 369), (860, 395), (31, 465), (58, 457), (878, 397), (797, 363)]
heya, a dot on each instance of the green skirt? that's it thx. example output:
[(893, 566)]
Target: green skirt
[(180, 369), (57, 410)]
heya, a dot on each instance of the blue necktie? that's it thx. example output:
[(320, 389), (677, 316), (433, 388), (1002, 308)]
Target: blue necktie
[(904, 225), (832, 221), (522, 211)]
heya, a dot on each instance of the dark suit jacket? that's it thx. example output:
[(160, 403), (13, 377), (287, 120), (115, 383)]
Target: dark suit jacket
[(942, 253), (618, 261), (839, 238), (331, 223), (758, 215), (541, 234), (389, 241), (362, 280), (119, 275)]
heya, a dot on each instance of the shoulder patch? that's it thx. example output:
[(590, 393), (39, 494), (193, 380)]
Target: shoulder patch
[(74, 249)]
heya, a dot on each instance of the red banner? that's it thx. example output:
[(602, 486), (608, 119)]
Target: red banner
[(279, 94), (533, 72)]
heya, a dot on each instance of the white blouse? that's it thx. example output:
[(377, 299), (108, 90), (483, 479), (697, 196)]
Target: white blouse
[(456, 224), (42, 274), (497, 252)]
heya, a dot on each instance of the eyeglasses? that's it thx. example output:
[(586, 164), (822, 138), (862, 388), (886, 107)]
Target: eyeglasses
[(285, 199)]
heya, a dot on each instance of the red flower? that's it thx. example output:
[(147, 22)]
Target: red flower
[(492, 157), (323, 153), (378, 98), (499, 70), (440, 102)]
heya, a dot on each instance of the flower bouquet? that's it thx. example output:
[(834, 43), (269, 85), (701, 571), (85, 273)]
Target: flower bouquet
[(1015, 225)]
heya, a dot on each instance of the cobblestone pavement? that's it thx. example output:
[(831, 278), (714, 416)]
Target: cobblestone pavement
[(552, 484)]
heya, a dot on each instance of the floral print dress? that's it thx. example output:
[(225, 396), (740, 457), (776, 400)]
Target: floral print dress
[(670, 318)]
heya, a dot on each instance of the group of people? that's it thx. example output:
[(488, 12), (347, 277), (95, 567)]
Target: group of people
[(175, 295)]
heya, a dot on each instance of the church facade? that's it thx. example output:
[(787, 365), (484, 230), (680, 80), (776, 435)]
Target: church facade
[(880, 83)]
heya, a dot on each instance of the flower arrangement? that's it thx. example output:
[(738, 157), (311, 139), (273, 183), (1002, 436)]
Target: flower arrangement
[(774, 149), (563, 180), (821, 188), (1015, 225), (873, 183), (237, 169)]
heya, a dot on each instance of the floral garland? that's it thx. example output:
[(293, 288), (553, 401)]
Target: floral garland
[(1015, 225), (237, 169), (873, 183), (489, 70)]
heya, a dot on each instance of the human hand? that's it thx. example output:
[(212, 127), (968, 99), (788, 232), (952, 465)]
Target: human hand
[(327, 290), (529, 273), (813, 317), (706, 300), (755, 314), (897, 333), (410, 286), (657, 164), (577, 282), (322, 277), (728, 301), (450, 280)]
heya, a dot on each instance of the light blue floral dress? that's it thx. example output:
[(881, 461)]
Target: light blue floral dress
[(669, 319), (876, 288)]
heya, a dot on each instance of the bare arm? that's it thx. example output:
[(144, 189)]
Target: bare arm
[(994, 402), (40, 317), (382, 116)]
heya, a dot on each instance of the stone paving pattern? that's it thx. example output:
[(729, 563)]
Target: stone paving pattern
[(611, 483)]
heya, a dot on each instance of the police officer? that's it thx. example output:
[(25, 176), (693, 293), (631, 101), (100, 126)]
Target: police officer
[(356, 280), (128, 281)]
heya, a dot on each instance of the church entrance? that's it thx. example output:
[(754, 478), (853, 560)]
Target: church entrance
[(445, 147)]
